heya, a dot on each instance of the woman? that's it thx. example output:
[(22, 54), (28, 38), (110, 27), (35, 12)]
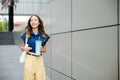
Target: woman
[(34, 64)]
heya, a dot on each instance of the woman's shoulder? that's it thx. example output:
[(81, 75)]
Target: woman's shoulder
[(23, 33), (47, 35)]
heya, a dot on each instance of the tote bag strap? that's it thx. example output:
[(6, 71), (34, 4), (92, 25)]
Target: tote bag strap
[(26, 41)]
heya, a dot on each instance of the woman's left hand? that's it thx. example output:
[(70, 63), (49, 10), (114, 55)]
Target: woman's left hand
[(43, 49)]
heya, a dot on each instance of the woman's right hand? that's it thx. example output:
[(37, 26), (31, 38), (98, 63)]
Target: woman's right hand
[(26, 48)]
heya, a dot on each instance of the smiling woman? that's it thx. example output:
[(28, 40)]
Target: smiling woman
[(34, 65)]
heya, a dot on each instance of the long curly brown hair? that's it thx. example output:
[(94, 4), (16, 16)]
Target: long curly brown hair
[(28, 28)]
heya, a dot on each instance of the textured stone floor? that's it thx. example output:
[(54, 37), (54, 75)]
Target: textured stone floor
[(10, 68)]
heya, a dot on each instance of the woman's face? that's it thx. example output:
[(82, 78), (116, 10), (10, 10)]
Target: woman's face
[(34, 22)]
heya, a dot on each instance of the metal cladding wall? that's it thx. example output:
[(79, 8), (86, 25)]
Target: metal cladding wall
[(84, 42)]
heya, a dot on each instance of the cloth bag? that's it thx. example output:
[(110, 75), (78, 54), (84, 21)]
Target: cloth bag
[(23, 55)]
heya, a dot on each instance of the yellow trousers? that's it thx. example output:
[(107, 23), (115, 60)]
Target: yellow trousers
[(34, 68)]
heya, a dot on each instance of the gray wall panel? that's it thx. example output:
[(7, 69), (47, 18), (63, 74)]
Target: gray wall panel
[(47, 54), (95, 54), (24, 8), (119, 52), (58, 76), (45, 16), (95, 13), (61, 16), (61, 53), (119, 11), (48, 73), (37, 8)]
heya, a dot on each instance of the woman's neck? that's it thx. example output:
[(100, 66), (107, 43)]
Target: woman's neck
[(35, 30)]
